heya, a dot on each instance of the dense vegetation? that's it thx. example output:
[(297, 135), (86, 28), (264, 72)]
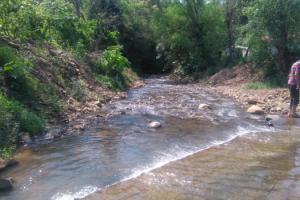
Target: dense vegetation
[(187, 37)]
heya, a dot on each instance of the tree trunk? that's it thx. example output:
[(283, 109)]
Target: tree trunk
[(230, 14), (283, 53)]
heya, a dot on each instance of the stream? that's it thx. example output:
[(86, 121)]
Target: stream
[(217, 153)]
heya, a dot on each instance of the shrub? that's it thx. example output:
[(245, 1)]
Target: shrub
[(80, 50), (14, 119), (7, 55), (27, 89), (27, 121), (20, 82), (8, 129), (112, 62), (110, 66)]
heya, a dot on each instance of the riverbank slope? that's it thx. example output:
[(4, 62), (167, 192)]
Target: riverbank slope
[(241, 83), (44, 87)]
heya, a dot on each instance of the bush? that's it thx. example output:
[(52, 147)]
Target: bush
[(80, 50), (27, 89), (112, 62), (20, 82), (110, 66), (7, 55), (8, 129), (16, 118), (27, 121)]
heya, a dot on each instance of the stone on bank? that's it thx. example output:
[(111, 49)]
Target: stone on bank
[(255, 110)]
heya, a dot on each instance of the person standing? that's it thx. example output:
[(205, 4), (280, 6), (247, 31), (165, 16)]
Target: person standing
[(294, 85)]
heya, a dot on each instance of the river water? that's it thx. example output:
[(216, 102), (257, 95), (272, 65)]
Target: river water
[(219, 153)]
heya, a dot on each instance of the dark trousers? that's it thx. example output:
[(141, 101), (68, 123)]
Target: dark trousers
[(294, 92)]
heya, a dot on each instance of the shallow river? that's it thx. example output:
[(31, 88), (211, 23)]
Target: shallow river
[(220, 153)]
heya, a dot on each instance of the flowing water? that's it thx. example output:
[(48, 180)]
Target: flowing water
[(219, 153)]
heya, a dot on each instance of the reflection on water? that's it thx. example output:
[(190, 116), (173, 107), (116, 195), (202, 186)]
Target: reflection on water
[(212, 154)]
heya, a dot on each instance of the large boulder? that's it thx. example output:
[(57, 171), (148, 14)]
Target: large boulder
[(154, 124), (6, 184), (11, 163), (255, 110)]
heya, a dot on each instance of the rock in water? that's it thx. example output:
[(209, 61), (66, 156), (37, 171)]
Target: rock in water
[(272, 117), (7, 164), (154, 125), (2, 164), (6, 184), (25, 138), (12, 163), (255, 110), (203, 106)]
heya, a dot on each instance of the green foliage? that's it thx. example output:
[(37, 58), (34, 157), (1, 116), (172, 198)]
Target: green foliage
[(273, 32), (80, 50), (194, 35), (16, 118), (8, 127), (6, 152), (51, 20), (112, 62), (26, 120), (16, 75), (109, 68), (191, 33), (6, 55), (137, 34), (27, 89)]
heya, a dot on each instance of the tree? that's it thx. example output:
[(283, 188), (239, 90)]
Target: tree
[(273, 31), (192, 33)]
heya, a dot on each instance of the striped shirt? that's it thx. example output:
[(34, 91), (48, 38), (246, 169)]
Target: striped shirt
[(294, 73)]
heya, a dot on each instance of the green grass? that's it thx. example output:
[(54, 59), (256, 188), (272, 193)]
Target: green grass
[(256, 85)]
